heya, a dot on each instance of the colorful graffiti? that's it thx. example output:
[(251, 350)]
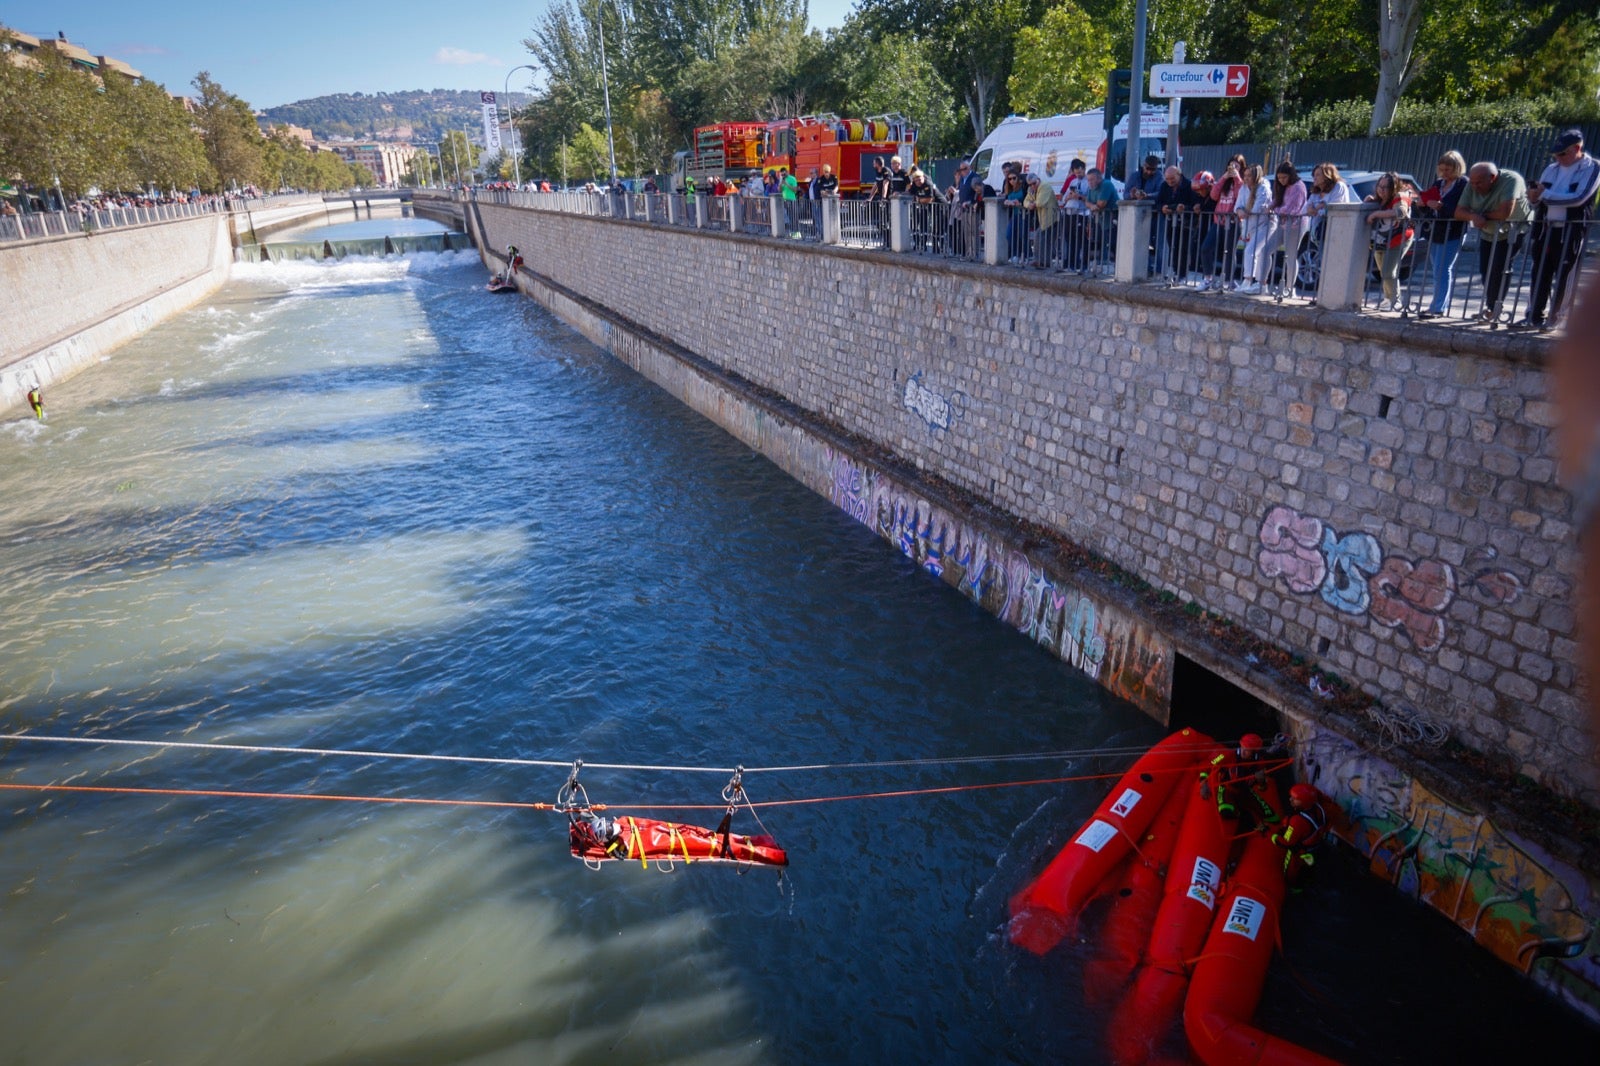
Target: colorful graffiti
[(1506, 893), (1109, 645), (1352, 575)]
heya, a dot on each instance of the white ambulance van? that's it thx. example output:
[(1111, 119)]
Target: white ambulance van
[(1047, 146)]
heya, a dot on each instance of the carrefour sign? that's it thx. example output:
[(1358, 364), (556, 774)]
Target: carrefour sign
[(1199, 79)]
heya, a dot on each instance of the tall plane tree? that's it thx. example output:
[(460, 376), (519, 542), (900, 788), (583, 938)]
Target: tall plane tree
[(233, 142)]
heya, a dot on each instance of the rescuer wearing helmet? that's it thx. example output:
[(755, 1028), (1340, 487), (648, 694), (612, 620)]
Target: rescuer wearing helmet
[(1306, 828), (36, 401), (1230, 771)]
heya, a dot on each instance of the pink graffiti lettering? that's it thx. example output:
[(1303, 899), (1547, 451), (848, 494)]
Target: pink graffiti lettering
[(1291, 549)]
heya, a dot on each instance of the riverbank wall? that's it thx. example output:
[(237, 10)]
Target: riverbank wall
[(1355, 522), (72, 300)]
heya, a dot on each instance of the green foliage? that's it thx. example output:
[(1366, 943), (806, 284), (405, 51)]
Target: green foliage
[(1061, 63), (227, 126), (1349, 118), (50, 124)]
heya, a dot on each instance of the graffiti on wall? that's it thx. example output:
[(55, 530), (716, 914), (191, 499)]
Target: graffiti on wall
[(936, 410), (1352, 575), (1105, 643), (1506, 893)]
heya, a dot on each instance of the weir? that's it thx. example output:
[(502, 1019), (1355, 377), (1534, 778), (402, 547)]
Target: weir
[(1356, 523)]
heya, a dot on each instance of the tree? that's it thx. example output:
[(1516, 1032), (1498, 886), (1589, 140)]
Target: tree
[(972, 43), (457, 155), (233, 142), (1061, 64), (1398, 22), (52, 128), (153, 143)]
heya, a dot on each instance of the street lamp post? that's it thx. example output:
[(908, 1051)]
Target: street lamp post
[(516, 153)]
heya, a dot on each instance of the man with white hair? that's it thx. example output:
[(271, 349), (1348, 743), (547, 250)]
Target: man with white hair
[(1495, 203)]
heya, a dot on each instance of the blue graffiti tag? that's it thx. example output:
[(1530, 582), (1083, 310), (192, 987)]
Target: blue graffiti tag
[(1352, 559)]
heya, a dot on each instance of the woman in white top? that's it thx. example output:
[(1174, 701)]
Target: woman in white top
[(1257, 226)]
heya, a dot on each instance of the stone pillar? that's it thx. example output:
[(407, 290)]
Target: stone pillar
[(1346, 257), (775, 205), (700, 212), (899, 223), (832, 233), (735, 214), (1133, 239), (993, 244), (672, 209)]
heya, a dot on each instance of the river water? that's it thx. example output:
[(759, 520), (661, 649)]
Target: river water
[(367, 506)]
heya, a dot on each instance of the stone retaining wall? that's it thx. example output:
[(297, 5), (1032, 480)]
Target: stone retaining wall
[(70, 300), (1377, 498), (1520, 887)]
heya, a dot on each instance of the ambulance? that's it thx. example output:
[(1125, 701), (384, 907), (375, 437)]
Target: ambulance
[(1047, 146)]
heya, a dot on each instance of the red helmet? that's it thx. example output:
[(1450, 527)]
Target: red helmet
[(1302, 795), (1203, 178), (1251, 742)]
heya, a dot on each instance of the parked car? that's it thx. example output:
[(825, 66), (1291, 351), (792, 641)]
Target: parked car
[(1362, 182)]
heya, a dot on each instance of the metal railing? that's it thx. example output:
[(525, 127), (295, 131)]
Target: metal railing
[(864, 223), (1279, 257), (33, 225)]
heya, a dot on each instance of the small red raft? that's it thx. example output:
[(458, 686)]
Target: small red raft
[(1193, 917), (595, 840)]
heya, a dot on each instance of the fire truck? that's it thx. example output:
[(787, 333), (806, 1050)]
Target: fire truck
[(736, 151)]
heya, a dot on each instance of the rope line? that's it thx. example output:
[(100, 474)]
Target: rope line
[(538, 806), (566, 764)]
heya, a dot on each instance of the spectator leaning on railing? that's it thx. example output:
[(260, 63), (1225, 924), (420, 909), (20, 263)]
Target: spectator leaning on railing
[(1564, 199), (1392, 234), (1439, 201), (1495, 203)]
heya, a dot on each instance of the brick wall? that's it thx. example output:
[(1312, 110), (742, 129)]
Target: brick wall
[(1378, 498)]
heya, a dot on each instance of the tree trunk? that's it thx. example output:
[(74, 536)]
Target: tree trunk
[(1398, 21)]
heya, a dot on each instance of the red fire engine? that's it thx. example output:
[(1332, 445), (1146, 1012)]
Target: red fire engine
[(742, 150)]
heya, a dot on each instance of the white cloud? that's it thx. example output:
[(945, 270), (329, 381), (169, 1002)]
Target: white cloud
[(460, 57)]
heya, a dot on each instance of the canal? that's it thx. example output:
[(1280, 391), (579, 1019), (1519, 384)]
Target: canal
[(366, 506)]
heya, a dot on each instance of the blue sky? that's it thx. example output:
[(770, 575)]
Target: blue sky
[(285, 50)]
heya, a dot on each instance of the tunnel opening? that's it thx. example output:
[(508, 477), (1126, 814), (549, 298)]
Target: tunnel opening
[(1205, 701)]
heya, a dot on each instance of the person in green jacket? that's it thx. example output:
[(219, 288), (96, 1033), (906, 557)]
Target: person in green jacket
[(789, 186)]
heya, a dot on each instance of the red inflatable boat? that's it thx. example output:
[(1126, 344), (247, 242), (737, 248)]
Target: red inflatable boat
[(1161, 848), (1046, 911)]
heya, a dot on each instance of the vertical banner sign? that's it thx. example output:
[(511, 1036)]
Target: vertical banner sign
[(491, 123)]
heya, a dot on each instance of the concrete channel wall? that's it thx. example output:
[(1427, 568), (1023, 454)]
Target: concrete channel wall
[(69, 301), (1377, 501)]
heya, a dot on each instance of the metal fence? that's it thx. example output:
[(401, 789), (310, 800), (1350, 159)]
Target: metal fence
[(864, 223), (36, 224), (1529, 280), (1527, 151)]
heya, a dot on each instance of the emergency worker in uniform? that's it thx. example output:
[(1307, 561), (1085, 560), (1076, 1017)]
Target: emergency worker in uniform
[(1306, 828), (1230, 774), (36, 401)]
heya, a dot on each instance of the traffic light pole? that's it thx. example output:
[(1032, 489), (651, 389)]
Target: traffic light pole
[(1135, 94)]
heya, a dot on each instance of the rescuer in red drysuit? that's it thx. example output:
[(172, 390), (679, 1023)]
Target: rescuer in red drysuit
[(1231, 773), (1306, 828)]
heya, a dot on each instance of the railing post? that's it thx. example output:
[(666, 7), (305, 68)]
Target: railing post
[(831, 231), (775, 215), (700, 212), (735, 214), (672, 210), (899, 223), (993, 247), (1133, 240), (1346, 257)]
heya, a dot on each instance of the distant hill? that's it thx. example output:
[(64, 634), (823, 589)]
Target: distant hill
[(415, 115)]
